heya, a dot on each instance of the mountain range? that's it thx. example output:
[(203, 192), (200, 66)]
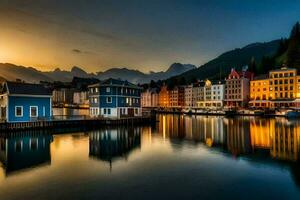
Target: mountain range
[(29, 74), (214, 69)]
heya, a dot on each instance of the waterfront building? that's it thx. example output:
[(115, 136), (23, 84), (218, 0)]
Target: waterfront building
[(284, 88), (177, 97), (188, 96), (164, 101), (281, 88), (260, 92), (237, 88), (115, 98), (81, 98), (198, 93), (25, 102), (62, 96), (150, 98), (213, 95)]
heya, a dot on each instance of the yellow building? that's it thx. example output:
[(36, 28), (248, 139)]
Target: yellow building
[(280, 89), (260, 92), (284, 87)]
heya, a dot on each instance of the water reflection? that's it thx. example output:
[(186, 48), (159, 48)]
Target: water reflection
[(239, 136), (114, 143), (18, 153)]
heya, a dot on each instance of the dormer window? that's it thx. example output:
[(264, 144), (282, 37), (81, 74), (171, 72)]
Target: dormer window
[(107, 89)]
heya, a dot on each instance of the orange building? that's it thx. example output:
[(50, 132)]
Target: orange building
[(164, 100)]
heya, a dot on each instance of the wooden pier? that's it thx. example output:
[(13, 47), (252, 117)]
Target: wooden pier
[(88, 123)]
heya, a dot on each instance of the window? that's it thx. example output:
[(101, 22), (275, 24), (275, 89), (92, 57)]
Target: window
[(108, 89), (95, 100), (96, 90), (33, 111), (108, 100), (108, 111), (104, 111), (19, 111)]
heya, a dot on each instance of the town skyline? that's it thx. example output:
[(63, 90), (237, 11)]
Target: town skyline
[(46, 36)]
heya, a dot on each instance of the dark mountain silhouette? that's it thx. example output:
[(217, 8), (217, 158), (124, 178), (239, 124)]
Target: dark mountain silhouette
[(28, 74), (237, 58)]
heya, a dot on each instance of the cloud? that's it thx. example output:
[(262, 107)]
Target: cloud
[(79, 51), (76, 51)]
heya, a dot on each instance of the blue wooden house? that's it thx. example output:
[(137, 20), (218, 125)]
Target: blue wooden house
[(25, 102), (115, 98)]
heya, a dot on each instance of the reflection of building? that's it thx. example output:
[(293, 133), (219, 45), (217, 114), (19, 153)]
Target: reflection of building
[(260, 132), (285, 140), (18, 153), (108, 144), (238, 135)]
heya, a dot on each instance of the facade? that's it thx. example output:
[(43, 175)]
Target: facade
[(284, 88), (260, 92), (213, 95), (25, 102), (62, 96), (188, 96), (164, 100), (237, 88), (115, 98), (198, 93), (281, 88), (150, 98), (176, 96), (81, 98)]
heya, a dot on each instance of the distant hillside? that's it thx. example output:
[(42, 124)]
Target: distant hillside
[(12, 72), (236, 58)]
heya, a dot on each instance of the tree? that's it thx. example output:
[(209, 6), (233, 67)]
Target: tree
[(252, 65), (293, 51)]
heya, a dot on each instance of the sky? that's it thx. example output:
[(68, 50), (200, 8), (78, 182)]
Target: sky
[(147, 35)]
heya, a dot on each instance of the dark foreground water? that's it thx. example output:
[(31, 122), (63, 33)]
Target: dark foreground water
[(181, 157)]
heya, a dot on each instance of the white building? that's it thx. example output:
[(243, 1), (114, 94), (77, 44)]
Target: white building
[(213, 95), (188, 96)]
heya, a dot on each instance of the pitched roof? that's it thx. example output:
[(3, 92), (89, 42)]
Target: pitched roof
[(27, 88)]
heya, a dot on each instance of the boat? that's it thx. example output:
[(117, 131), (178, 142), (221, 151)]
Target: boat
[(293, 114)]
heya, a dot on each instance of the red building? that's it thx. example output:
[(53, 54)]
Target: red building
[(237, 88)]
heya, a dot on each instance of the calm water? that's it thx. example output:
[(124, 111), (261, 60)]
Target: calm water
[(181, 157)]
